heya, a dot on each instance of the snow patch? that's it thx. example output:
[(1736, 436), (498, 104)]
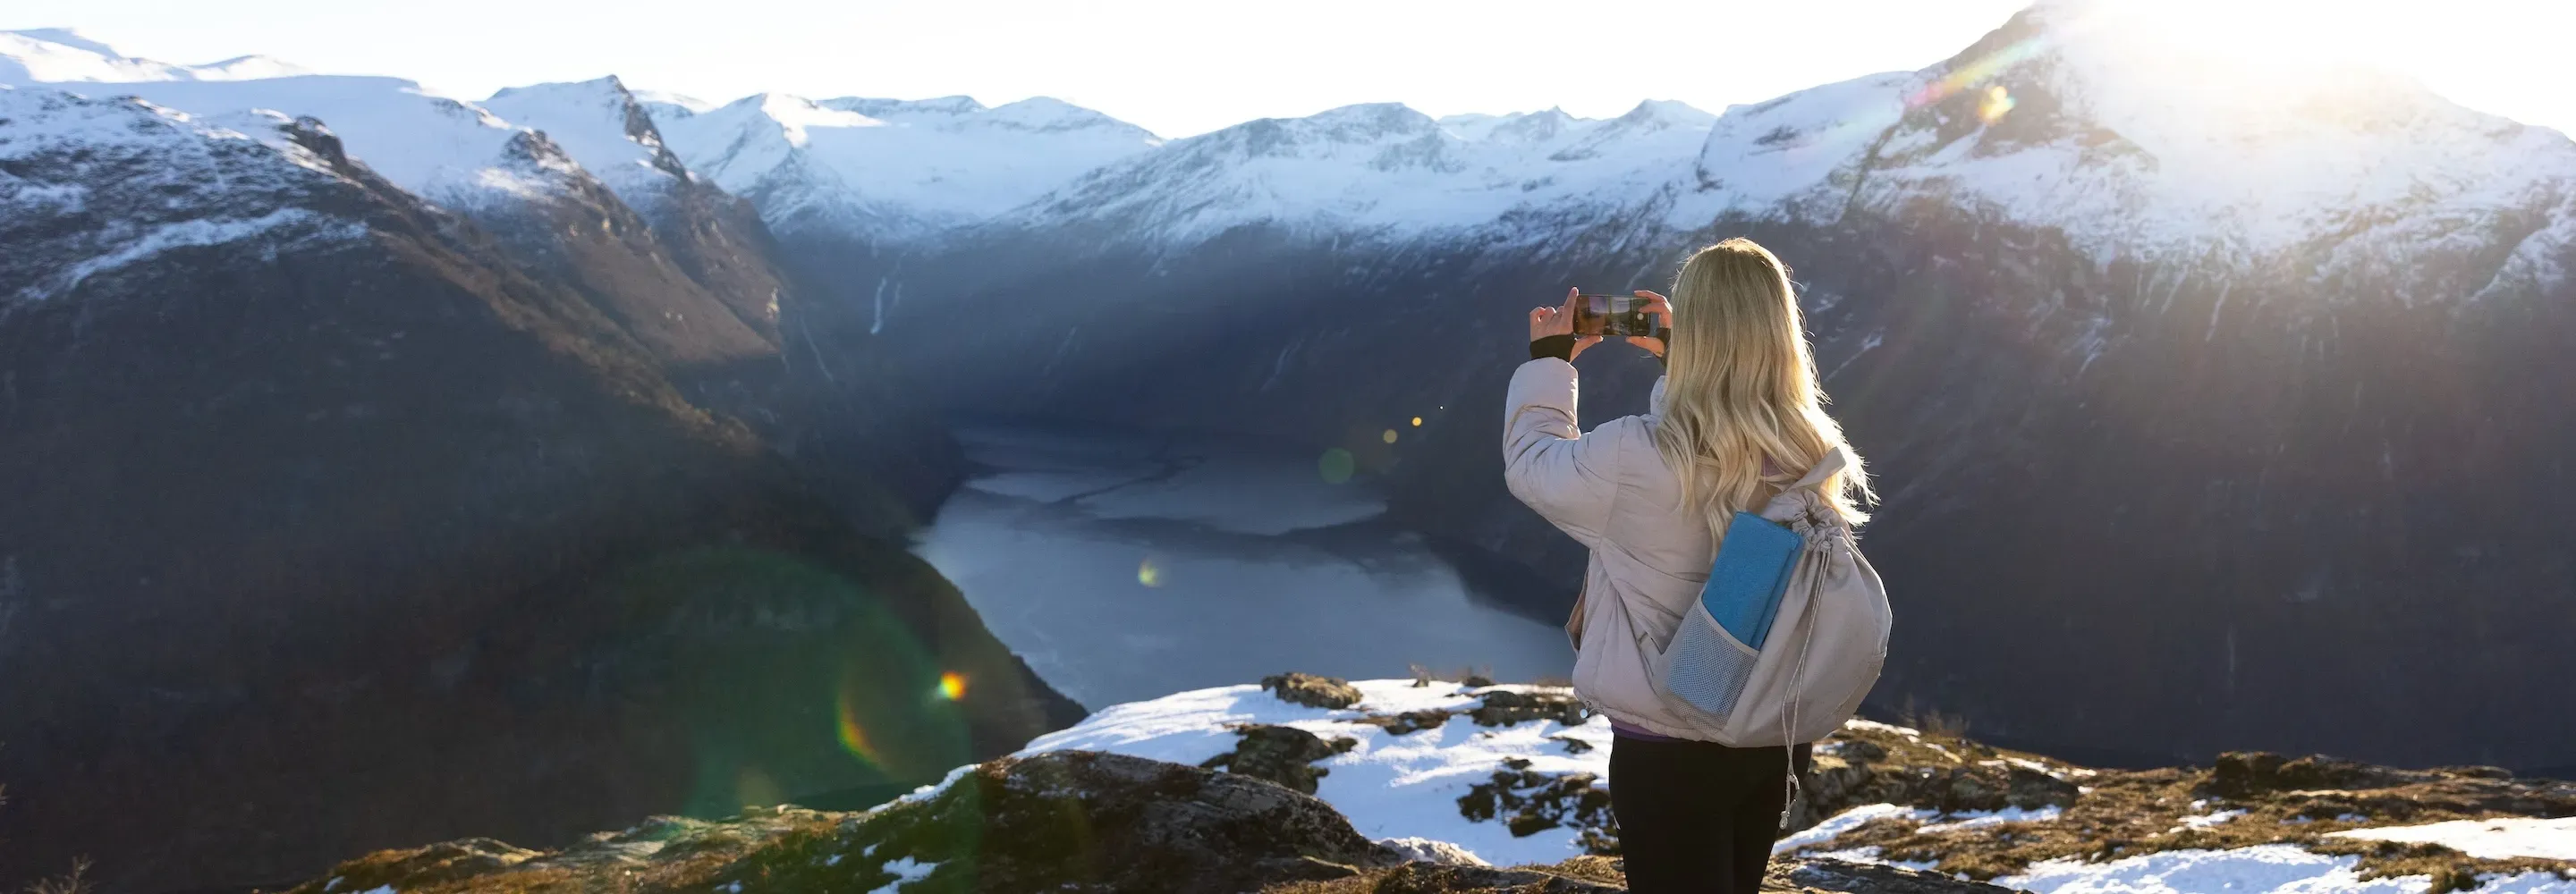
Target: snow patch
[(2274, 868), (1834, 826), (1977, 819), (2486, 839), (1390, 786), (906, 871)]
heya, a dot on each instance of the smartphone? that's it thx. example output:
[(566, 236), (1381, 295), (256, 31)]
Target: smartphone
[(1611, 316)]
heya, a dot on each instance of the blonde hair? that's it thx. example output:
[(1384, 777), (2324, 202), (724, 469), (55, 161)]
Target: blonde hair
[(1740, 387)]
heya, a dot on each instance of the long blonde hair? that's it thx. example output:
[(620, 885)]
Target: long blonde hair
[(1740, 387)]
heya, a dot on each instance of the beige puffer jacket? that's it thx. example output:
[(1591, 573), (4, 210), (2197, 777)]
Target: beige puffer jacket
[(1650, 553)]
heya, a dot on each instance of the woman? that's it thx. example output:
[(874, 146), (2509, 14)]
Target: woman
[(1737, 415)]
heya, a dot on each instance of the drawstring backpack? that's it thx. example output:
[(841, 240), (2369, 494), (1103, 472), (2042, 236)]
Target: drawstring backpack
[(1790, 631)]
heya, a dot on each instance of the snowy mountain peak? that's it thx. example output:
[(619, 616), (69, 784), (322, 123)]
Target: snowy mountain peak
[(1665, 113), (602, 126), (56, 55), (1384, 168), (443, 149), (891, 169), (898, 108), (1365, 121), (2067, 117)]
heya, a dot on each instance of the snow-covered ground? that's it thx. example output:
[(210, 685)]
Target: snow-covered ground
[(1125, 568), (1391, 786), (2261, 869), (2495, 839)]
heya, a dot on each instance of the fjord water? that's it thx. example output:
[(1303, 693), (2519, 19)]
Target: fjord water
[(1125, 566)]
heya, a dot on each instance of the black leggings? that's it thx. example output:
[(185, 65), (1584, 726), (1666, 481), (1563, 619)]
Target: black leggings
[(1697, 817)]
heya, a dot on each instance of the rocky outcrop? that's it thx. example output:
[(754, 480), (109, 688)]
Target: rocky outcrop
[(1312, 691), (1504, 707), (1526, 801), (1281, 754)]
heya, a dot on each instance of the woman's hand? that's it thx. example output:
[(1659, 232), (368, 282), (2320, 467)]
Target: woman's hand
[(1551, 322), (1662, 308)]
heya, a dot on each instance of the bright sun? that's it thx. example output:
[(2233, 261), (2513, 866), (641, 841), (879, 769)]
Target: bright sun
[(2288, 34)]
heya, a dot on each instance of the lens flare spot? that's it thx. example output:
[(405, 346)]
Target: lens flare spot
[(1962, 77), (1149, 574), (1336, 465), (1417, 422), (853, 738), (952, 685), (1997, 102), (1389, 437)]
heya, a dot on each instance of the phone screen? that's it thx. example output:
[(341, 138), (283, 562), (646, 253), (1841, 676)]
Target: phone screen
[(1611, 316)]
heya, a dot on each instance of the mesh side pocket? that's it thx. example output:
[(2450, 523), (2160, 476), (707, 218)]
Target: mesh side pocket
[(1706, 667)]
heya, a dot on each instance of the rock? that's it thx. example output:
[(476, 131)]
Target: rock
[(1957, 789), (1476, 681), (1504, 707), (443, 862), (1312, 691), (1281, 754), (1426, 850), (2499, 774), (2030, 789), (1827, 874), (2243, 773), (1433, 878), (1409, 721), (1527, 801)]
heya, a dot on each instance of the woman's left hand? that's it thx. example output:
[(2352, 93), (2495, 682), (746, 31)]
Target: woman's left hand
[(1662, 308)]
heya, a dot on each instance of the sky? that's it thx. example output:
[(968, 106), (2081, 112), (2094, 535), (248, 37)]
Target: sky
[(1182, 67)]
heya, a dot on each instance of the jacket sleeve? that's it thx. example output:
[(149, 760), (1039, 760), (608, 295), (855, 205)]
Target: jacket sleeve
[(1547, 461)]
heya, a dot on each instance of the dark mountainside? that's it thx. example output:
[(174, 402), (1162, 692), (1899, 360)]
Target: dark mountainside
[(376, 527), (2225, 503)]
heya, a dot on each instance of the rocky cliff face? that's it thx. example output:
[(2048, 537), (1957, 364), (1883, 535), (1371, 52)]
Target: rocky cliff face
[(337, 521)]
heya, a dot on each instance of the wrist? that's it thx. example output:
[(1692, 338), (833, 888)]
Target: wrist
[(1559, 346)]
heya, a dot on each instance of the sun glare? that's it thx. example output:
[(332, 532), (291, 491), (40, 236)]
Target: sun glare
[(2280, 34)]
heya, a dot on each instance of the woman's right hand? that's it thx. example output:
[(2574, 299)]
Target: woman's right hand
[(1550, 322), (1662, 308)]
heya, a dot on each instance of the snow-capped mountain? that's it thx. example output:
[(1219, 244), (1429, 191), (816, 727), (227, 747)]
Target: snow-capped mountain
[(183, 185), (882, 171), (1380, 170), (302, 464), (592, 192), (443, 149), (605, 129), (60, 54), (2070, 119)]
